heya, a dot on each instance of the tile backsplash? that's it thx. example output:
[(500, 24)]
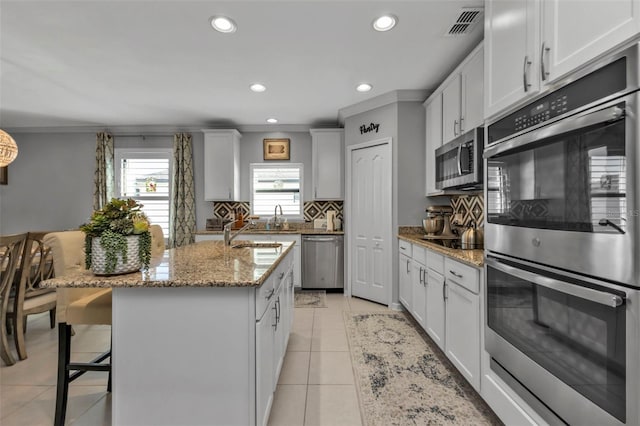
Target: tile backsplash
[(312, 209), (471, 207)]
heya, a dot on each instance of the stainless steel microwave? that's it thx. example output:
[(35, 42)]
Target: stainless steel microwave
[(459, 162)]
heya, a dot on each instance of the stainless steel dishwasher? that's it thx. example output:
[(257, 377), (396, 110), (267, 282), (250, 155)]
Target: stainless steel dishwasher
[(323, 261)]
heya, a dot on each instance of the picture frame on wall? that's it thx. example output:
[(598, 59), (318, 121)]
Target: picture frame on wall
[(276, 149), (4, 175)]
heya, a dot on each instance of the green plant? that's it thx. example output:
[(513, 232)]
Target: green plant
[(112, 223)]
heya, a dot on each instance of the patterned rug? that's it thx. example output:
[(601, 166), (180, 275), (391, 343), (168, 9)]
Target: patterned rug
[(311, 299), (404, 379)]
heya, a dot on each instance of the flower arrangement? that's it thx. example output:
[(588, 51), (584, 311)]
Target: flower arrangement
[(112, 224)]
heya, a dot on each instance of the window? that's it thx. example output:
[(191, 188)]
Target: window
[(273, 184), (144, 175)]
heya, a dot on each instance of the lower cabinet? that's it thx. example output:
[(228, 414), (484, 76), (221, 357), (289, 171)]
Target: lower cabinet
[(404, 269), (443, 296), (265, 342), (435, 316)]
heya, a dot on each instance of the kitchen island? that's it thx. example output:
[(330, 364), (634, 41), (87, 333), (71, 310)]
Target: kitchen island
[(200, 337)]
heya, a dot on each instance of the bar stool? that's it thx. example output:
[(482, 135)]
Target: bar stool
[(10, 250), (75, 306)]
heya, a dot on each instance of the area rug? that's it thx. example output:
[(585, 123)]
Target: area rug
[(404, 379), (311, 299)]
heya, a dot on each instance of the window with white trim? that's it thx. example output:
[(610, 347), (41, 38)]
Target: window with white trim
[(276, 184), (144, 175)]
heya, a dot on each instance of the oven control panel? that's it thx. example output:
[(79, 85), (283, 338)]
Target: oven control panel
[(599, 84), (540, 112)]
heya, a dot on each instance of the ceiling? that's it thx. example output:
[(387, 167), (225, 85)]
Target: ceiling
[(147, 63)]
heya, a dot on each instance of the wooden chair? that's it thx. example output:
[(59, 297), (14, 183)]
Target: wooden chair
[(11, 247), (75, 306), (36, 265)]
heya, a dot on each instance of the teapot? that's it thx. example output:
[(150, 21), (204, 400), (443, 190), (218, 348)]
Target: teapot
[(472, 238)]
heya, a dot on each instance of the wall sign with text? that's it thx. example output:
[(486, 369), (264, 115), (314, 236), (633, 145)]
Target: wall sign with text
[(372, 127)]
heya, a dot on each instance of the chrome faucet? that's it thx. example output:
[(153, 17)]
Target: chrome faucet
[(228, 237), (277, 223)]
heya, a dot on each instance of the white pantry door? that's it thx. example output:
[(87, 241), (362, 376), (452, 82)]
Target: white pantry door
[(371, 220)]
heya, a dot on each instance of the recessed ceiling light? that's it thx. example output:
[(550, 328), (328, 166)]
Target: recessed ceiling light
[(364, 87), (385, 23), (223, 24), (257, 87), (272, 120)]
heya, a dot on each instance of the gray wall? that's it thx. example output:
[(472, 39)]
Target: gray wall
[(251, 152), (51, 181)]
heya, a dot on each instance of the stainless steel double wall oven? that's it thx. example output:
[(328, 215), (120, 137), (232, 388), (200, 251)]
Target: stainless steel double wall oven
[(562, 246)]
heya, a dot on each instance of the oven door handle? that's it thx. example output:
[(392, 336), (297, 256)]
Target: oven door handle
[(601, 297), (586, 119)]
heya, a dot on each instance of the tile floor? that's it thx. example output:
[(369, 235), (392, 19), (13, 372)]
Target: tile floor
[(316, 385)]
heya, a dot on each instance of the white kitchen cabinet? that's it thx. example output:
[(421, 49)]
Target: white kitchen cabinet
[(574, 33), (418, 292), (531, 43), (435, 316), (327, 155), (264, 365), (405, 291), (433, 132), (451, 110), (463, 320), (462, 97), (221, 164), (511, 41)]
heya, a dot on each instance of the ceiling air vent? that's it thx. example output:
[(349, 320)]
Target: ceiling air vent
[(465, 21)]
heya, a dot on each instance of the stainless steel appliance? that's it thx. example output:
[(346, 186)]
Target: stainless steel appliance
[(561, 240), (459, 162), (323, 261)]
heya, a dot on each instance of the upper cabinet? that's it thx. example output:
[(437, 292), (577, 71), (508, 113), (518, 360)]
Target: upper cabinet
[(455, 107), (327, 147), (433, 123), (462, 97), (221, 164), (529, 44)]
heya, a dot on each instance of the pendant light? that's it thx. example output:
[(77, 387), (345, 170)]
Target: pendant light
[(8, 148)]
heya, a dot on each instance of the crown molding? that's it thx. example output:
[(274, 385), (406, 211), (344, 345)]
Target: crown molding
[(382, 100)]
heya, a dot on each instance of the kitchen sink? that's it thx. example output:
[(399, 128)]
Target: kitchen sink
[(256, 245)]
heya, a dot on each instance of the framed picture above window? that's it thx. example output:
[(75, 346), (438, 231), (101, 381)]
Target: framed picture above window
[(276, 149)]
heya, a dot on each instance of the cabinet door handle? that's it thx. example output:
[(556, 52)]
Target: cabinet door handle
[(408, 266), (421, 276), (315, 192), (525, 69), (424, 277), (275, 325), (455, 123), (455, 275), (444, 291), (229, 193), (543, 72), (461, 127)]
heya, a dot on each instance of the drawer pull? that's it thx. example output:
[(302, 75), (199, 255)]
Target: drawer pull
[(402, 248), (455, 275), (281, 275), (270, 295)]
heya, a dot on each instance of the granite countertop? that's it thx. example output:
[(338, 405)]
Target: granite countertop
[(471, 257), (203, 264), (302, 231)]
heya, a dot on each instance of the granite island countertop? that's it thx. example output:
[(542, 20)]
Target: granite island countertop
[(471, 257), (301, 231), (203, 264)]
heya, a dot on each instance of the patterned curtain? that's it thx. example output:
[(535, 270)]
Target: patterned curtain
[(103, 179), (182, 219)]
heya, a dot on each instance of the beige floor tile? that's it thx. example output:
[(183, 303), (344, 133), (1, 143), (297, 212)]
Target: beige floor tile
[(328, 320), (98, 415), (41, 369), (288, 406), (295, 369), (329, 340), (299, 341), (13, 397), (337, 301), (330, 368), (332, 405), (302, 321), (360, 305), (40, 411)]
